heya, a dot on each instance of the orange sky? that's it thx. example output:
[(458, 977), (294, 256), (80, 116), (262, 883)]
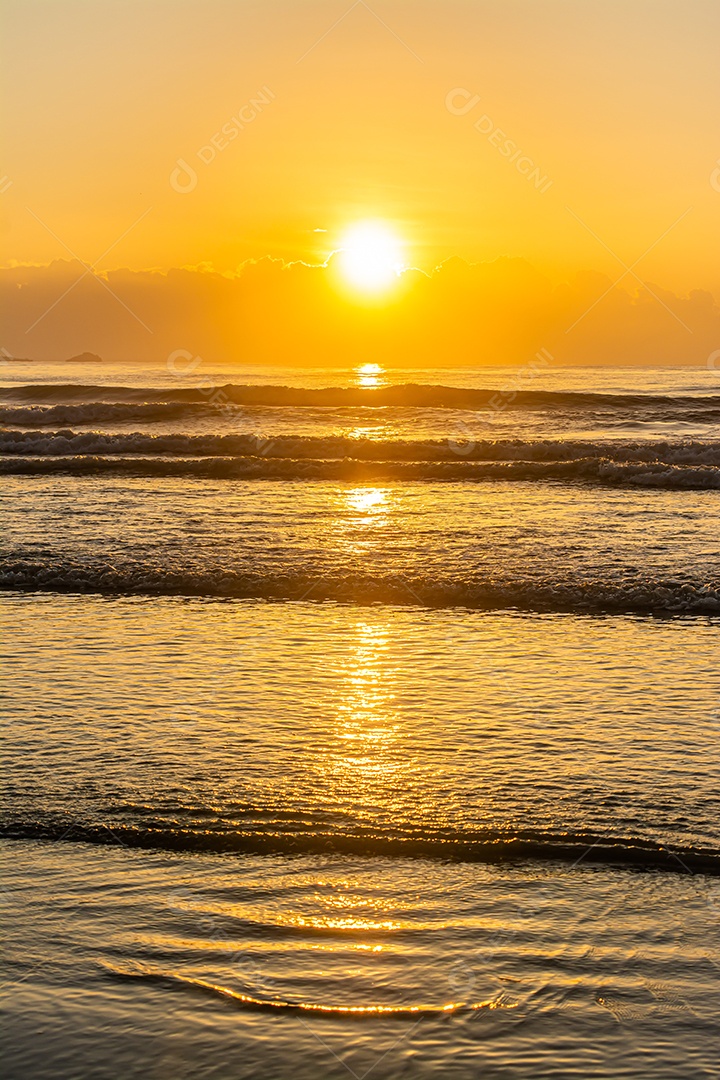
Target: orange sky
[(576, 135)]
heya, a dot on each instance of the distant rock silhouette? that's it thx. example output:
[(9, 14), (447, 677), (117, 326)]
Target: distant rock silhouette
[(85, 358)]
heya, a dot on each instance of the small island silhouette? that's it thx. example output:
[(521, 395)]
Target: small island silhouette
[(85, 358), (81, 358)]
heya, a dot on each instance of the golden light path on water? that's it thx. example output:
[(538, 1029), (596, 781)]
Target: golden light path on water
[(368, 743), (150, 974), (370, 375), (366, 763), (368, 500)]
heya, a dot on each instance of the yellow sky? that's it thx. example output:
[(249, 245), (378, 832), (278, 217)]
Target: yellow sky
[(579, 135)]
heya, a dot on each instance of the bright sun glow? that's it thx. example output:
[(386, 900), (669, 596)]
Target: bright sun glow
[(369, 375), (370, 256)]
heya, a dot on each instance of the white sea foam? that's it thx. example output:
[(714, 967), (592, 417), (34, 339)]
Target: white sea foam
[(587, 470)]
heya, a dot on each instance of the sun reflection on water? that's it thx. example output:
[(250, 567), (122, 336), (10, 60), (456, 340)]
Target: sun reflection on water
[(364, 767), (365, 757), (369, 375), (367, 500)]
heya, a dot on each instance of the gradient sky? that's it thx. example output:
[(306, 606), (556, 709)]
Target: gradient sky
[(614, 101)]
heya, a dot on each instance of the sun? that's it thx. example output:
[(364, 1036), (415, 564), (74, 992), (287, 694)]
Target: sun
[(370, 256)]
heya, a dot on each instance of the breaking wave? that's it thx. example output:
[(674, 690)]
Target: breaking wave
[(640, 594), (66, 441), (97, 412), (413, 395), (587, 470), (486, 846)]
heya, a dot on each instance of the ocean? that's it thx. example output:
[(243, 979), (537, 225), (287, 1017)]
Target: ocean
[(360, 722)]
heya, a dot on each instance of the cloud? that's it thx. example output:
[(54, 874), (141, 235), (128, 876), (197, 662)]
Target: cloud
[(270, 311)]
